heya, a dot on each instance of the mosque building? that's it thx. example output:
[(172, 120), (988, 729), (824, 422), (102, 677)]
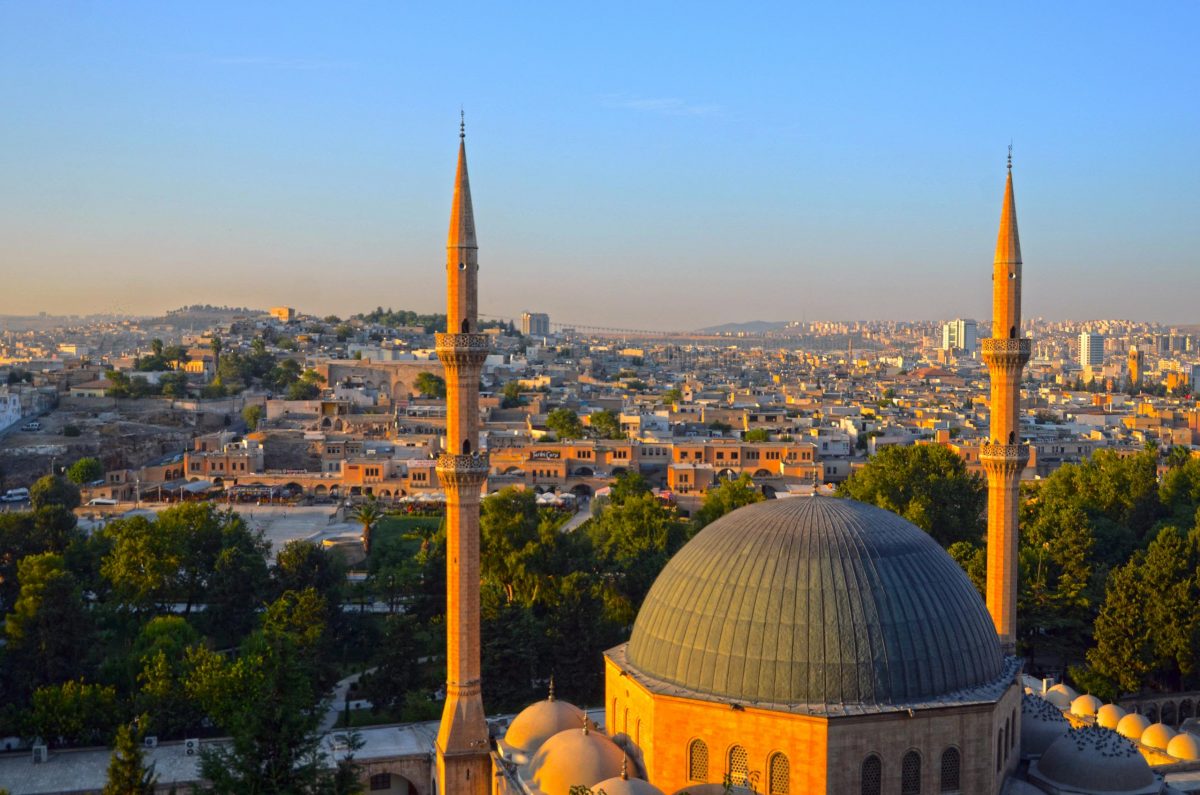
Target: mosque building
[(794, 646)]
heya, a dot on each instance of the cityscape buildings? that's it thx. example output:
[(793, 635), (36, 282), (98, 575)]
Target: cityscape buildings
[(960, 335)]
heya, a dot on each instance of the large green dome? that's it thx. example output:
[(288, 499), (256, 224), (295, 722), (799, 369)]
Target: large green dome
[(815, 601)]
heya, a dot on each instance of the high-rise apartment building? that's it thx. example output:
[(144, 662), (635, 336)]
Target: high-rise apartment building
[(535, 324), (960, 335), (1091, 349)]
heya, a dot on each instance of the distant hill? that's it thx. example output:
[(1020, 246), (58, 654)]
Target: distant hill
[(749, 327)]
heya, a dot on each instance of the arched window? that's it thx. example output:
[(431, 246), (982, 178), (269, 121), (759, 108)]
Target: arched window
[(1012, 738), (614, 715), (999, 749), (466, 446), (625, 721), (910, 774), (739, 766), (1007, 729), (637, 732), (951, 764), (780, 781), (697, 761), (466, 326), (872, 776)]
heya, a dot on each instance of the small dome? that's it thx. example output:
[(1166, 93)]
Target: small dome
[(1109, 716), (1085, 706), (815, 600), (1184, 746), (1061, 696), (539, 722), (1041, 724), (1095, 760), (1132, 725), (1158, 736), (627, 786), (572, 758)]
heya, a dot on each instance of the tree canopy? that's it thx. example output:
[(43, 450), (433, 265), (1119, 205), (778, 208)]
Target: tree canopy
[(928, 485)]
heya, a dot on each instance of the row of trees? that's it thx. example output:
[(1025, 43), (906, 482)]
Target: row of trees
[(1108, 557), (601, 424), (177, 622)]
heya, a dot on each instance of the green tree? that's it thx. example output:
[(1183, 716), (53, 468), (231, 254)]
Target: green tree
[(606, 424), (174, 385), (756, 435), (929, 485), (430, 385), (512, 395), (73, 713), (252, 415), (306, 387), (49, 631), (565, 424), (630, 484), (127, 770), (367, 514), (144, 563), (53, 490), (397, 671), (268, 700), (85, 470), (673, 395), (633, 539), (519, 545), (727, 497), (161, 653)]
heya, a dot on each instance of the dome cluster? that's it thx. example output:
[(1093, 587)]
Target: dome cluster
[(552, 746), (815, 601), (1132, 726)]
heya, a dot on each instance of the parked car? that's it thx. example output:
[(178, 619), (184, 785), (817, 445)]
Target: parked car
[(32, 426), (102, 501)]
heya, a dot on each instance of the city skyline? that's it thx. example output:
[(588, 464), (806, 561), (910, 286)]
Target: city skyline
[(652, 172)]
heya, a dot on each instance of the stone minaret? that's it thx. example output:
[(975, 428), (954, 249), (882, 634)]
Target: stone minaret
[(1003, 457), (463, 762)]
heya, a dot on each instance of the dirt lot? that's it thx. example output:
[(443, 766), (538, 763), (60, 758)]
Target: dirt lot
[(119, 433)]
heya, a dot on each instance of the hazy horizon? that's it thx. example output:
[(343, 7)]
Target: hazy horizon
[(630, 167)]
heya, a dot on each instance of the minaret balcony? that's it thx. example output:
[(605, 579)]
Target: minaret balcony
[(1003, 458), (1007, 353), (462, 349), (461, 470)]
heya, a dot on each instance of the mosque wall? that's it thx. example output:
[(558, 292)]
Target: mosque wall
[(669, 726), (986, 753)]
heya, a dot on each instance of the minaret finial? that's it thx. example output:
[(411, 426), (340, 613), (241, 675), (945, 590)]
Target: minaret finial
[(1010, 155), (551, 697), (624, 767), (585, 723), (462, 128)]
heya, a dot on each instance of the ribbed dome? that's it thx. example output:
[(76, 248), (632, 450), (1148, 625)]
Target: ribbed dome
[(815, 600)]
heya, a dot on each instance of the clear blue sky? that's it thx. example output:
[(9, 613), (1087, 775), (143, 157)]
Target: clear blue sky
[(638, 165)]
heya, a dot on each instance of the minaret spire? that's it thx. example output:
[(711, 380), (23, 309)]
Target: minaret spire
[(463, 764), (1003, 457)]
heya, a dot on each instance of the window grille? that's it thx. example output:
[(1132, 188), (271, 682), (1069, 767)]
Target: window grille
[(739, 766), (778, 768), (698, 761), (950, 771), (872, 776), (910, 774), (381, 781)]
